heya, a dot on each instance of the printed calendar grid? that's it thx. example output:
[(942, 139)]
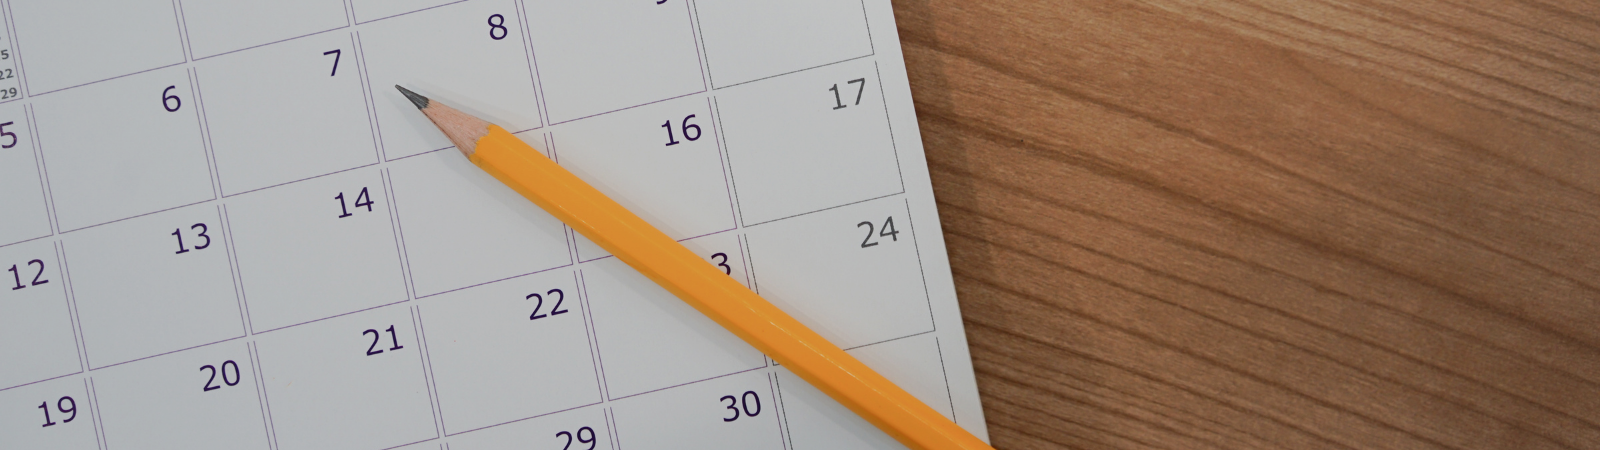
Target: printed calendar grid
[(393, 208)]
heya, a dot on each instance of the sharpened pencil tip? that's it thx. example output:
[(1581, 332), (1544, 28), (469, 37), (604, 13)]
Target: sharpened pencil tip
[(416, 99)]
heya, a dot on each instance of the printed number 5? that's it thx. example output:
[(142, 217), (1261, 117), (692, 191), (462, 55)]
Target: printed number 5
[(9, 134)]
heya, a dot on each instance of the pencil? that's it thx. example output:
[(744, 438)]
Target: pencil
[(696, 281)]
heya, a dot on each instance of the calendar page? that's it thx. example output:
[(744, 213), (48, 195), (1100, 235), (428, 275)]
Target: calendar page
[(223, 228)]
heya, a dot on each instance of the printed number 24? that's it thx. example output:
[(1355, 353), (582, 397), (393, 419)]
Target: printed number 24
[(887, 231)]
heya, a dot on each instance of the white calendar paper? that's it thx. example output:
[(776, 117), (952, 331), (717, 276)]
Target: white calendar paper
[(222, 227)]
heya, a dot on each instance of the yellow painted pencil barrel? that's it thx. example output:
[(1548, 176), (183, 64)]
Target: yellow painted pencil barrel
[(718, 296)]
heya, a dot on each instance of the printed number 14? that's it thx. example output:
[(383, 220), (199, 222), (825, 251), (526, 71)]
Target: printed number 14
[(361, 200)]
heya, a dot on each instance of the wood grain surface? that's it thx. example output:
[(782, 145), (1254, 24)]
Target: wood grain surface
[(1354, 224)]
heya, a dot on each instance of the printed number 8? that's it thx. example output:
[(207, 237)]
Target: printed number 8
[(497, 24)]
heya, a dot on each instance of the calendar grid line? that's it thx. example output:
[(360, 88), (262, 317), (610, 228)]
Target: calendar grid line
[(788, 430), (24, 241), (927, 297), (427, 372), (233, 275), (367, 101), (159, 211), (893, 145), (72, 305), (233, 262), (30, 383), (536, 272), (540, 415), (700, 61), (410, 12), (533, 61), (857, 202), (733, 184), (608, 255), (409, 443), (229, 52), (37, 142), (700, 43), (611, 432), (94, 413), (329, 317), (750, 256), (106, 79), (792, 72), (625, 108), (183, 31), (729, 374), (783, 420), (215, 173), (527, 45), (208, 344), (594, 335), (744, 260), (885, 341), (399, 235), (722, 161), (611, 425), (262, 403), (866, 20), (14, 45), (349, 16), (588, 334), (309, 178), (944, 374)]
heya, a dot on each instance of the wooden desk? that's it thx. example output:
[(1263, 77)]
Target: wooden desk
[(1271, 223)]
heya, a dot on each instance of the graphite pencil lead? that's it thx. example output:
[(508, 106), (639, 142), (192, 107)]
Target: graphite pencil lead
[(416, 99)]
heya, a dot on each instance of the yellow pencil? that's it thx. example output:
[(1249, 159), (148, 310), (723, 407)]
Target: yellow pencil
[(697, 282)]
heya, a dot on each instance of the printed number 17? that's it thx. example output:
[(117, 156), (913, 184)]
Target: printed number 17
[(839, 102)]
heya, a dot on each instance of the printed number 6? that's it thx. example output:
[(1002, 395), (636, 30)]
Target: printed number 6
[(171, 102)]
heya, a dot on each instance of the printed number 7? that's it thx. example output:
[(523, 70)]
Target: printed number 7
[(335, 53)]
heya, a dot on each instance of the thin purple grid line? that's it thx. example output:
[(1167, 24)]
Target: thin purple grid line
[(594, 335), (768, 77), (572, 243), (411, 12), (611, 425), (744, 260), (135, 216), (564, 266), (583, 301), (755, 281), (700, 60), (927, 297), (255, 375), (11, 26), (330, 317), (410, 443), (261, 374), (608, 255), (72, 314), (783, 409), (227, 246), (349, 17), (550, 143), (893, 145), (27, 240), (57, 377), (700, 42), (885, 341), (72, 301), (399, 236), (273, 42), (533, 60), (313, 177), (526, 45), (109, 79), (522, 419), (37, 142), (205, 138), (367, 100), (716, 115), (772, 392), (424, 152), (92, 368), (183, 30), (945, 373), (868, 22), (94, 409), (233, 255), (824, 209), (763, 366), (702, 91), (435, 406), (722, 160)]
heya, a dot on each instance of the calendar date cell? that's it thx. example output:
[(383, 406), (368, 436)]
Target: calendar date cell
[(748, 40), (598, 57), (51, 415), (146, 38), (370, 10), (301, 259), (808, 141), (325, 390), (219, 26), (852, 274), (36, 336), (738, 411), (22, 200), (581, 429), (817, 421), (140, 294), (122, 148), (263, 131), (201, 398), (649, 339), (510, 350)]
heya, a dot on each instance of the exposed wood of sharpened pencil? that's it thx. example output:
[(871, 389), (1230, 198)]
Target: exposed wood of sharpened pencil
[(461, 128)]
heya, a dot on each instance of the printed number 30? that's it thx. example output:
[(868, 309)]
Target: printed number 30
[(749, 400)]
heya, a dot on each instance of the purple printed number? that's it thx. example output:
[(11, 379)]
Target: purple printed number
[(554, 310), (686, 127), (582, 439), (497, 27), (373, 349), (211, 383), (169, 101), (66, 405), (178, 233), (362, 200), (4, 133), (38, 275), (742, 404)]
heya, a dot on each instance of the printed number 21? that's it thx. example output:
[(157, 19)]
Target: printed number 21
[(839, 102), (373, 349)]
